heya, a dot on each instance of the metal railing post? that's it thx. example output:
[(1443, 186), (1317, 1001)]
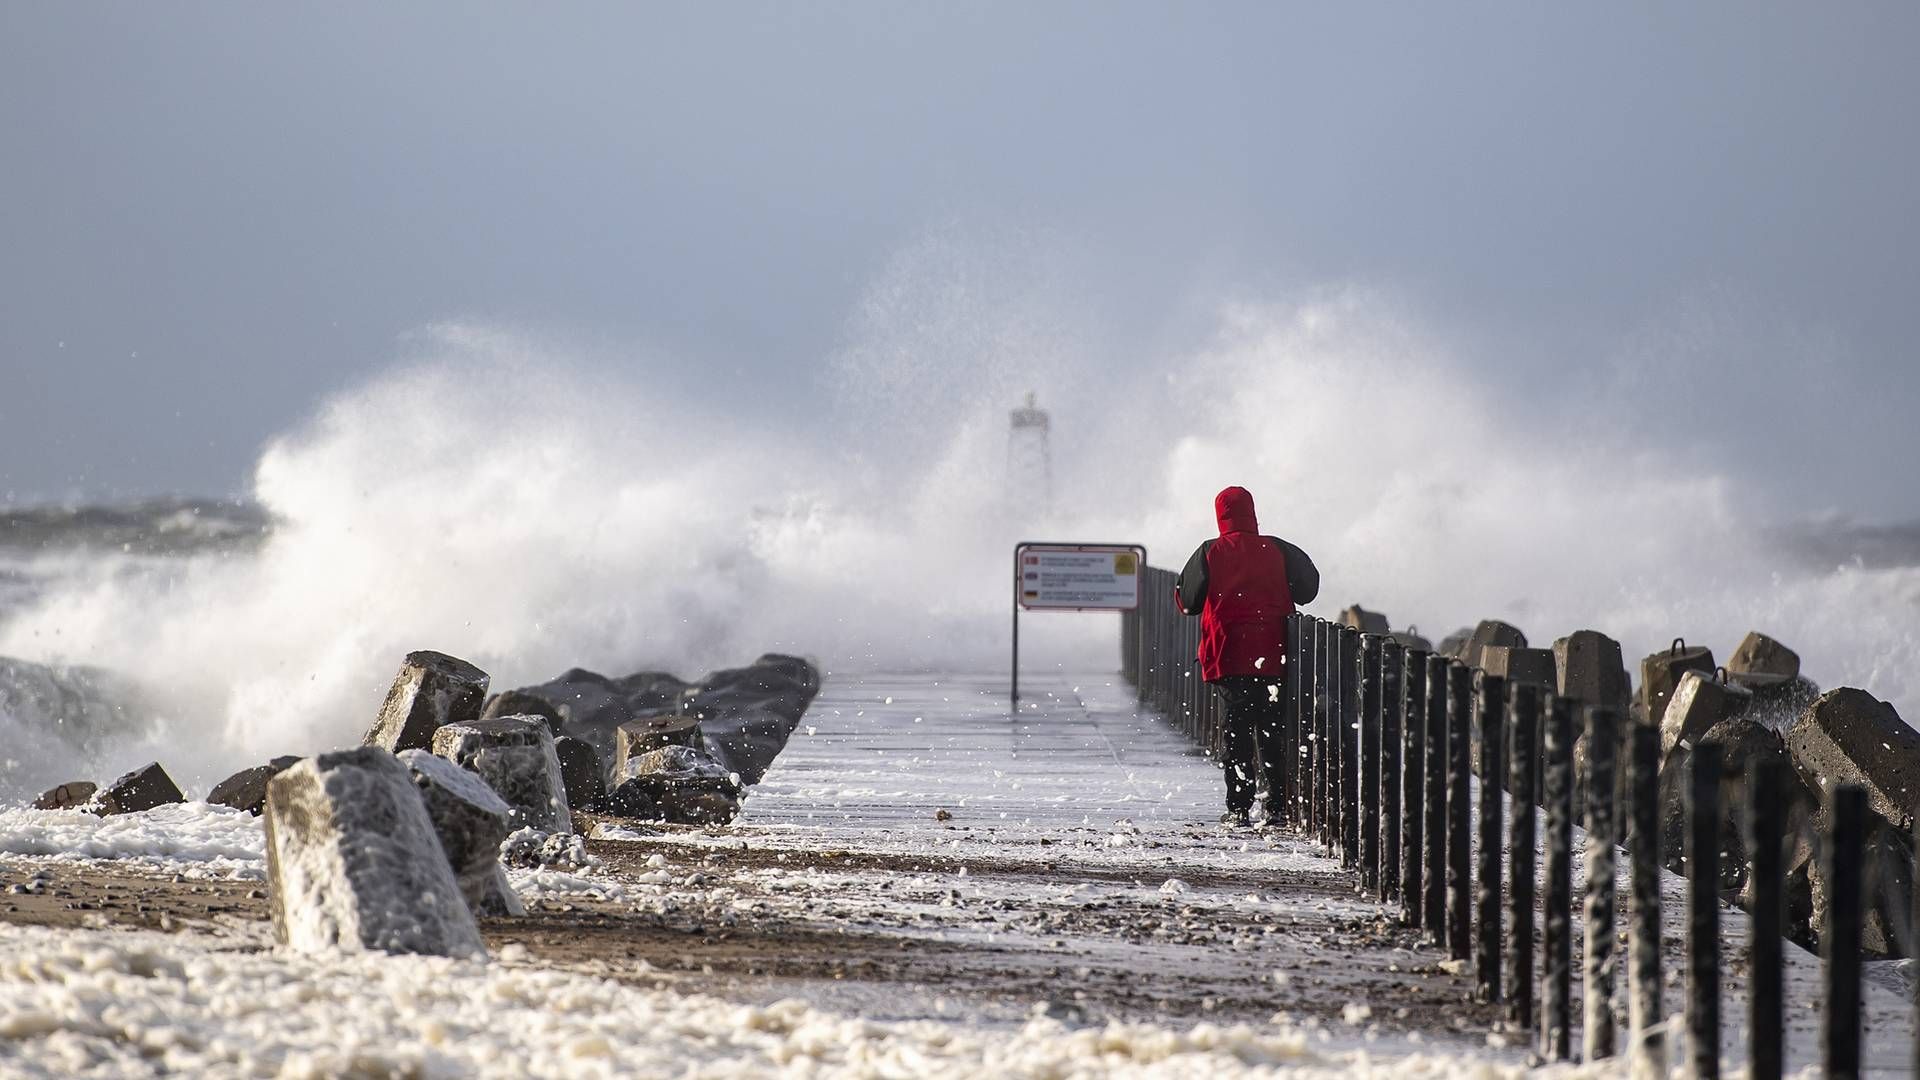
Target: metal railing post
[(1349, 740), (1840, 937), (1391, 707), (1600, 940), (1767, 1021), (1437, 757), (1490, 713), (1523, 722), (1556, 1021), (1370, 744), (1413, 790), (1703, 911), (1646, 1036), (1459, 813)]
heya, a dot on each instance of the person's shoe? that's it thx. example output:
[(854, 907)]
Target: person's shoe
[(1235, 819)]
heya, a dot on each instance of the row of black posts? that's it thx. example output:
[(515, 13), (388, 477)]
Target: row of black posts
[(1380, 744)]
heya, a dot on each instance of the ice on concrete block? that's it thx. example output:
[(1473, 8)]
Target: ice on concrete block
[(431, 691), (515, 756), (471, 821), (353, 862)]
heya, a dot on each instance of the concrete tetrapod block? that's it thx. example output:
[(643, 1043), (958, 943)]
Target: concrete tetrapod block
[(580, 771), (1519, 665), (522, 703), (1367, 622), (686, 786), (1660, 676), (1887, 869), (431, 691), (1454, 645), (515, 756), (1848, 736), (1490, 632), (1410, 639), (66, 796), (1589, 669), (353, 862), (650, 733), (142, 789), (1700, 702), (1743, 746), (471, 820), (1761, 656), (247, 789)]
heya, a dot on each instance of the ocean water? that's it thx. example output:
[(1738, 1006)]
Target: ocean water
[(532, 511)]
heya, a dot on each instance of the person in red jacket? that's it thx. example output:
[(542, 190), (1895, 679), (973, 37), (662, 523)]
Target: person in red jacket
[(1243, 586)]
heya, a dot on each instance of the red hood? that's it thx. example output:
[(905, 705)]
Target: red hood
[(1234, 509)]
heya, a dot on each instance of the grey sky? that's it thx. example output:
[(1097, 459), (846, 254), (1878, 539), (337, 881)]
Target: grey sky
[(210, 215)]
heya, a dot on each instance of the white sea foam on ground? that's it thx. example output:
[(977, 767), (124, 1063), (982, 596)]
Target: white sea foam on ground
[(195, 839), (135, 1003)]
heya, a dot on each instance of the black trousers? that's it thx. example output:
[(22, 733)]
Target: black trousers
[(1254, 713)]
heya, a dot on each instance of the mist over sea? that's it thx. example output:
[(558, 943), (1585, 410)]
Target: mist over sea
[(530, 510)]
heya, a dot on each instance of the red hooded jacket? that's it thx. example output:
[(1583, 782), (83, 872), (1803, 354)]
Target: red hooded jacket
[(1243, 586)]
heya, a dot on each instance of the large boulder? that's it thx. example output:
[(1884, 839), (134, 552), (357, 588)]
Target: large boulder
[(1700, 702), (580, 771), (523, 703), (1849, 736), (431, 691), (747, 714), (470, 820), (353, 862), (142, 789), (592, 706), (1744, 747), (1367, 622), (1488, 634), (1660, 676), (1588, 668), (515, 756), (247, 789), (1887, 863)]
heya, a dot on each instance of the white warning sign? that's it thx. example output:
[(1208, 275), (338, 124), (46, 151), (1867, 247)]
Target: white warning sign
[(1077, 577)]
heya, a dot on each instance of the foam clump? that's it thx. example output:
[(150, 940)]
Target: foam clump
[(354, 862)]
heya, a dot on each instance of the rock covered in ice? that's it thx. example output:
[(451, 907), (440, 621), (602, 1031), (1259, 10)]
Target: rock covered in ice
[(353, 862), (247, 789), (431, 691), (142, 789), (524, 703), (471, 820), (515, 756)]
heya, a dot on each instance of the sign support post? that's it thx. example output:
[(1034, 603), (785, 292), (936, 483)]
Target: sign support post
[(1071, 577)]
